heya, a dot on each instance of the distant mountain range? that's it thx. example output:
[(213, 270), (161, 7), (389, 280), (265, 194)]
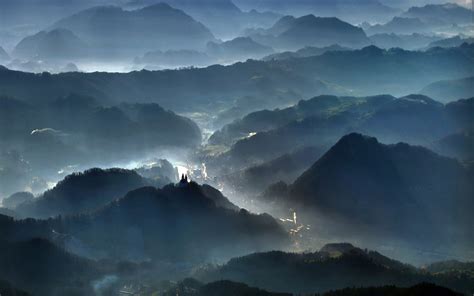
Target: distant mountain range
[(291, 33), (223, 17), (112, 31), (425, 19), (382, 71), (353, 10)]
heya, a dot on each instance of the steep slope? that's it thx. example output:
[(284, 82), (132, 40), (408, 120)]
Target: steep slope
[(367, 183)]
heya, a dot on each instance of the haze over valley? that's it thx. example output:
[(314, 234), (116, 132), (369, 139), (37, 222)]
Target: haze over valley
[(236, 147)]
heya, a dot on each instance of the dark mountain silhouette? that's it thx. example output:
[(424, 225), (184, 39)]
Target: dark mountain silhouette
[(367, 183), (55, 44), (294, 33), (450, 90), (409, 42), (339, 267), (83, 192), (237, 49), (307, 51), (113, 31), (449, 13), (180, 90), (378, 67), (403, 72), (178, 223)]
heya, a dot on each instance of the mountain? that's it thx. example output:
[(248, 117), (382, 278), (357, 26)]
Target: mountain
[(381, 66), (290, 33), (223, 17), (450, 90), (240, 48), (364, 183), (54, 44), (286, 168), (409, 42), (78, 129), (114, 32), (83, 192), (451, 41), (449, 13), (178, 223), (322, 271), (285, 81), (400, 25), (307, 51), (350, 10), (266, 120), (321, 121)]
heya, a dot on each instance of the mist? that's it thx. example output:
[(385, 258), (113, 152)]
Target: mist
[(236, 147)]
